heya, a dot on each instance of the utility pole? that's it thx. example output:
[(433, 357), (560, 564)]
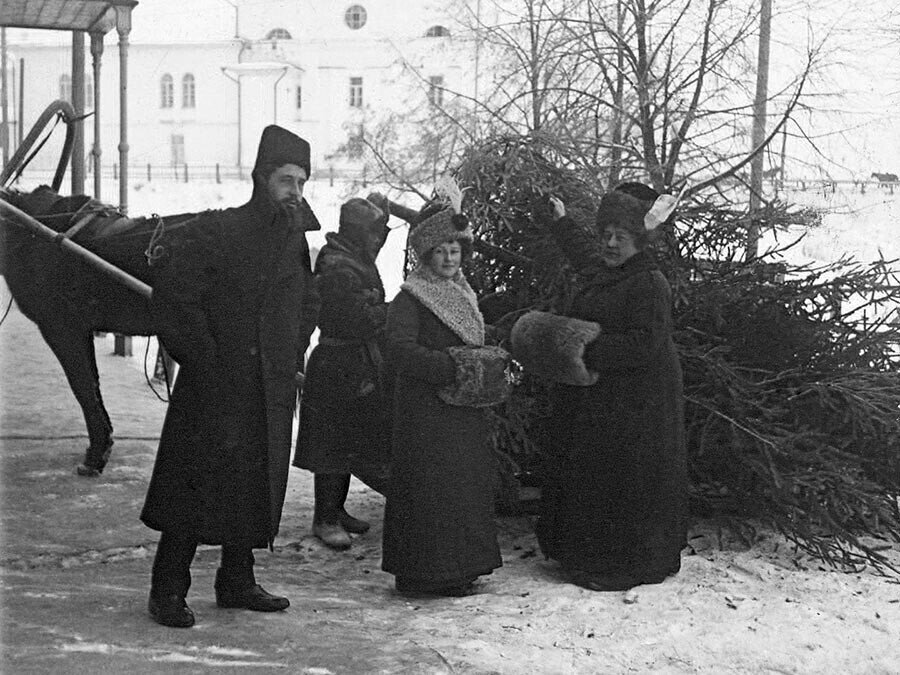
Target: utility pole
[(77, 101), (4, 100), (615, 154), (477, 66), (759, 127)]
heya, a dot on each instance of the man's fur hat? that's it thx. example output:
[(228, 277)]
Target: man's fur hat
[(278, 147), (552, 347)]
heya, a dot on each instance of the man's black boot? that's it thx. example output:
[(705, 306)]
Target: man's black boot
[(170, 610), (170, 581), (230, 594)]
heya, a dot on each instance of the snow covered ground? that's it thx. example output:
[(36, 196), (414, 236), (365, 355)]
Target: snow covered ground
[(732, 609)]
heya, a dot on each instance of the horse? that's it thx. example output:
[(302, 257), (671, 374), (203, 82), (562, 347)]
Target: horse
[(70, 300), (885, 179)]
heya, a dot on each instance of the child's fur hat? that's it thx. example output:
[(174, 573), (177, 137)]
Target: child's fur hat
[(441, 220)]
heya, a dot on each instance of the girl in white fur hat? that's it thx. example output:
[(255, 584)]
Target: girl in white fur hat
[(439, 531)]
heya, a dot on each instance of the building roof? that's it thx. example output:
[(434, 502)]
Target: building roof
[(68, 15)]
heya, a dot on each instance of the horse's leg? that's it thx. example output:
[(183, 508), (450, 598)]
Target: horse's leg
[(73, 346)]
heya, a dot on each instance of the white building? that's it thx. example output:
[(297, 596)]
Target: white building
[(205, 76)]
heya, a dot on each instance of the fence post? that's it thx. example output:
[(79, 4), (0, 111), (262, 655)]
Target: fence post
[(365, 180), (115, 171), (121, 344), (330, 176), (185, 172), (218, 175), (149, 173)]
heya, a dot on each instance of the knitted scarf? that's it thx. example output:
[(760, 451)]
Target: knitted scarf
[(451, 300)]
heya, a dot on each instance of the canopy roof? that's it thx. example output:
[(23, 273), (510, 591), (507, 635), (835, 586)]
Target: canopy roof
[(70, 15)]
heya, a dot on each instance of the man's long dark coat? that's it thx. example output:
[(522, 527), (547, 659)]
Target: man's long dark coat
[(616, 501), (235, 307)]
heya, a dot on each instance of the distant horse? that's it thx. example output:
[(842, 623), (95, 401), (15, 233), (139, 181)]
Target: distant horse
[(885, 179), (69, 300)]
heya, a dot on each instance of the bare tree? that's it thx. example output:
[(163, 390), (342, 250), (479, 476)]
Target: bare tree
[(657, 90)]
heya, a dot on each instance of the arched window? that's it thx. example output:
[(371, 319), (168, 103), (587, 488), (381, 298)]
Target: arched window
[(65, 87), (355, 17), (437, 31), (166, 92), (278, 34), (188, 94)]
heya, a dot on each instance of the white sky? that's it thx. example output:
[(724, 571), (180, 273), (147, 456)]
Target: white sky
[(855, 94)]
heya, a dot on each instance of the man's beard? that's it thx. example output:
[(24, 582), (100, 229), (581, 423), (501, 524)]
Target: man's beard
[(291, 210)]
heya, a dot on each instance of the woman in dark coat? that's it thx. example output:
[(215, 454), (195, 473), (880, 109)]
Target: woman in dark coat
[(235, 307), (439, 530), (344, 422), (615, 508)]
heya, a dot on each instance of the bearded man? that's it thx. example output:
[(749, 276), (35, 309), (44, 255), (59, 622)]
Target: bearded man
[(236, 306)]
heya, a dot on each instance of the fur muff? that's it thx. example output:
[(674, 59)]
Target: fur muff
[(482, 377), (552, 347)]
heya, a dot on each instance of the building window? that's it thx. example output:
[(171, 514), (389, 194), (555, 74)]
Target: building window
[(436, 90), (177, 149), (355, 17), (65, 87), (166, 92), (278, 34), (188, 92), (356, 92), (299, 98), (437, 31)]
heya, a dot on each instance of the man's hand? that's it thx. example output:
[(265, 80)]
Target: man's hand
[(559, 209)]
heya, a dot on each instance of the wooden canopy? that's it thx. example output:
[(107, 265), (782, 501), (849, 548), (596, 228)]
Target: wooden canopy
[(89, 16), (80, 17)]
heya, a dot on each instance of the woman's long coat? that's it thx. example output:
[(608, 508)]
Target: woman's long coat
[(235, 307), (439, 525), (616, 501), (344, 421)]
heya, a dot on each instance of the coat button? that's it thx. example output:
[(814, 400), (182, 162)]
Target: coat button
[(253, 351)]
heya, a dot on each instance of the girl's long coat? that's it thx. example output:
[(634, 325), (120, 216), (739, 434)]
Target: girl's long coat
[(344, 426), (235, 307), (617, 497), (439, 517)]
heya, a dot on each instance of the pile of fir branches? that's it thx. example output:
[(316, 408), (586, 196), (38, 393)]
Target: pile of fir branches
[(791, 386)]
